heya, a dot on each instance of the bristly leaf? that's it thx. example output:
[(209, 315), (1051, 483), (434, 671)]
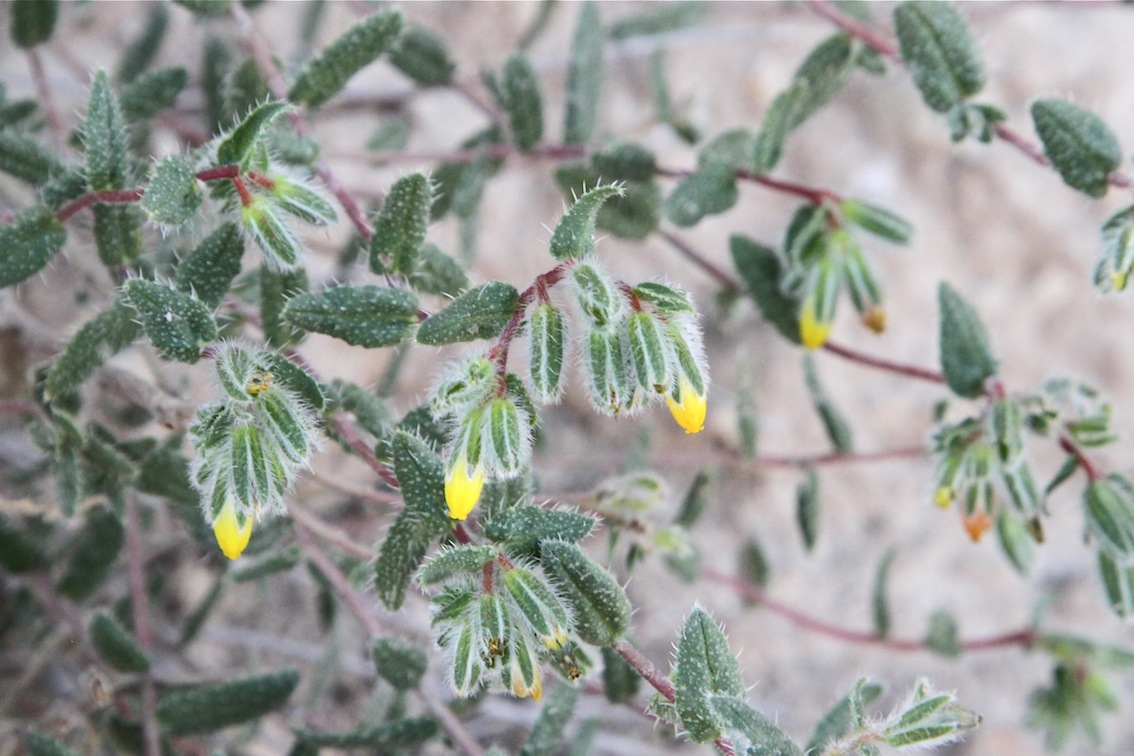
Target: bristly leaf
[(144, 49), (173, 194), (602, 610), (619, 680), (523, 528), (92, 554), (479, 313), (323, 77), (705, 666), (761, 270), (385, 738), (1080, 145), (877, 220), (708, 191), (749, 730), (456, 561), (837, 722), (208, 708), (547, 732), (33, 21), (177, 324), (520, 97), (104, 138), (239, 144), (399, 662), (152, 92), (209, 269), (277, 288), (116, 645), (27, 244), (438, 273), (107, 334), (584, 76), (400, 228), (966, 358), (422, 55), (117, 233), (574, 234), (25, 158), (940, 54), (367, 316)]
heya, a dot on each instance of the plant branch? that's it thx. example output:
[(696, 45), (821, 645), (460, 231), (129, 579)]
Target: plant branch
[(112, 197), (139, 604), (714, 271), (308, 521), (353, 435), (1025, 637), (899, 368)]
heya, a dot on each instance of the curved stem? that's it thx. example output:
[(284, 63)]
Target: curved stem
[(899, 368)]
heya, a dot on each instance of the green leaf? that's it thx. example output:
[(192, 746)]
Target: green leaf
[(209, 269), (118, 233), (107, 334), (173, 194), (142, 51), (520, 98), (1080, 145), (92, 554), (423, 56), (38, 744), (838, 721), (424, 517), (277, 289), (239, 144), (602, 611), (104, 139), (116, 645), (940, 54), (1118, 583), (152, 92), (749, 730), (573, 236), (455, 561), (208, 708), (368, 316), (24, 157), (825, 70), (177, 324), (705, 667), (760, 269), (1017, 542), (966, 357), (399, 662), (1109, 506), (400, 228), (620, 682), (838, 430), (658, 20), (695, 499), (877, 220), (807, 508), (437, 273), (782, 117), (279, 560), (479, 313), (216, 65), (943, 637), (18, 552), (708, 191), (33, 21), (399, 734), (323, 77), (523, 528), (584, 77), (880, 603), (547, 732), (27, 244)]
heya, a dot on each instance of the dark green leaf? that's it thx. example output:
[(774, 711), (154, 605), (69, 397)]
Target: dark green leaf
[(173, 194), (209, 269), (943, 637), (877, 220), (239, 144), (523, 528), (24, 157), (966, 357), (838, 430), (584, 77), (825, 70), (747, 727), (277, 289), (456, 561), (385, 738), (807, 508), (216, 66), (107, 334), (33, 21), (880, 603), (760, 269), (18, 552), (732, 149), (1017, 542), (104, 139), (400, 228), (602, 611), (521, 99), (619, 680), (479, 313), (279, 560), (438, 273), (27, 244), (705, 666), (368, 316), (659, 20), (708, 191), (208, 708), (142, 51), (837, 722), (323, 77), (40, 745), (399, 662), (177, 324), (547, 732), (118, 233), (92, 554), (152, 92), (782, 117), (116, 645), (1080, 145), (423, 56), (940, 54)]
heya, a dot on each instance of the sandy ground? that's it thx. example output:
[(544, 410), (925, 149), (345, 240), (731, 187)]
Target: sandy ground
[(1018, 243)]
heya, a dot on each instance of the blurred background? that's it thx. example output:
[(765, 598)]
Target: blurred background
[(1008, 234)]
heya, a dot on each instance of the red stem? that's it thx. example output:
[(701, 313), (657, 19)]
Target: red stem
[(1025, 637), (125, 196), (499, 352), (358, 444), (912, 371), (1067, 444)]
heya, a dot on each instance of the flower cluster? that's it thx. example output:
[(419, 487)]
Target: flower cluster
[(250, 444)]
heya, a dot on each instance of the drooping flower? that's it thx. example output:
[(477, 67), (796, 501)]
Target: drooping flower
[(689, 407), (232, 535), (462, 490)]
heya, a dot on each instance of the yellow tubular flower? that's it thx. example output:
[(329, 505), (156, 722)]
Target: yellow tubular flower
[(690, 412), (812, 333), (943, 497), (462, 492), (231, 536)]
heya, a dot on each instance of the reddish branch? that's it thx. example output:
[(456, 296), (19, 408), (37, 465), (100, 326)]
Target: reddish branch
[(1026, 637), (911, 371)]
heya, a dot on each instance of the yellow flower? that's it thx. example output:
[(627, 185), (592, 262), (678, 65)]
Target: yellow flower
[(943, 497), (232, 537), (690, 411), (812, 333), (462, 491), (520, 689)]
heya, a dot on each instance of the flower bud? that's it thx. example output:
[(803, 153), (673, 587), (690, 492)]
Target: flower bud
[(597, 296), (302, 200), (506, 443), (643, 335), (522, 674), (464, 478), (817, 311), (545, 612), (614, 390), (232, 531), (687, 397), (280, 245), (548, 334), (467, 385)]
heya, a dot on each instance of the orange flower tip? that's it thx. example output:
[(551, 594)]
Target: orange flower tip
[(875, 319), (462, 491), (943, 497), (977, 524), (812, 333), (691, 410), (232, 537)]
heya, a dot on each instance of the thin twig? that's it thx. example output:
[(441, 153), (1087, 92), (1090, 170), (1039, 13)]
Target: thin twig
[(353, 435), (899, 368), (1025, 637), (715, 272), (136, 570), (330, 534)]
